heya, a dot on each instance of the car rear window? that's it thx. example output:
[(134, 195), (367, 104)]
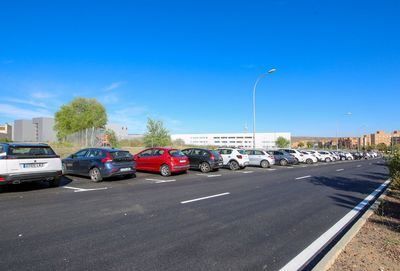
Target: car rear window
[(120, 154), (30, 151), (176, 153), (215, 153)]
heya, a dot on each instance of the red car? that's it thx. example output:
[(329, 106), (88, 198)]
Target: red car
[(163, 160)]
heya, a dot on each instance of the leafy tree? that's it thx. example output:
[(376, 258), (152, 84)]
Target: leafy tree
[(282, 142), (381, 147), (80, 115), (310, 145), (157, 135), (300, 145)]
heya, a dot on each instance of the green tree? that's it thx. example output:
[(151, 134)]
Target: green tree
[(310, 145), (381, 147), (282, 142), (80, 115), (157, 135), (300, 145)]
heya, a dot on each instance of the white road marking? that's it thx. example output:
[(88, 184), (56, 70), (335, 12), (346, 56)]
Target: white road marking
[(303, 177), (77, 189), (208, 197), (315, 247), (303, 166), (359, 165), (340, 169), (289, 167), (271, 169), (160, 181), (210, 175), (246, 172)]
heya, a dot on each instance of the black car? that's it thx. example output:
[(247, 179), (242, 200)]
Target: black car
[(99, 163), (203, 159)]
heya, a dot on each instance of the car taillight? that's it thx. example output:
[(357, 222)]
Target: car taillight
[(212, 157), (239, 156), (2, 179), (108, 158)]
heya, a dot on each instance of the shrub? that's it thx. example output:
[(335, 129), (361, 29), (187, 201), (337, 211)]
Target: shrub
[(394, 169)]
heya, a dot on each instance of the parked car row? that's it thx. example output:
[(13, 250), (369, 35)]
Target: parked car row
[(33, 162)]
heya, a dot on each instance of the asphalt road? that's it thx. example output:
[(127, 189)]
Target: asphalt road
[(256, 219)]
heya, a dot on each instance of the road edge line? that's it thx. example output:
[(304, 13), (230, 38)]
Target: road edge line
[(306, 256), (330, 258)]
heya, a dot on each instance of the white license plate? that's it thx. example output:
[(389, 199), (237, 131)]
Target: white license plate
[(182, 161), (33, 165), (125, 169)]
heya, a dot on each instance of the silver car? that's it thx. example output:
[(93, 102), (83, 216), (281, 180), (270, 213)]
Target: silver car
[(260, 158)]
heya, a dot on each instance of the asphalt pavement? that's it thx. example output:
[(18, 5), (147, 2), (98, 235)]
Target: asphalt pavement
[(252, 219)]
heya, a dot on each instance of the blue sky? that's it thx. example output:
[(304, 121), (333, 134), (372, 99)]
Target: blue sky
[(193, 64)]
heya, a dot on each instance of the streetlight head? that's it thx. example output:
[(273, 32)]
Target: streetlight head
[(272, 70)]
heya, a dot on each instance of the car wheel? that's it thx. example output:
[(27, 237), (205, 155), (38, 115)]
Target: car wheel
[(327, 160), (283, 162), (95, 175), (55, 182), (343, 158), (264, 164), (233, 165), (309, 161), (165, 171), (205, 167), (296, 161)]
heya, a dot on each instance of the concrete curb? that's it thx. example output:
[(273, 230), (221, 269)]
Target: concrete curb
[(329, 259)]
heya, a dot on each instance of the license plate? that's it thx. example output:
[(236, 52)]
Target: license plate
[(125, 169), (182, 161), (33, 165)]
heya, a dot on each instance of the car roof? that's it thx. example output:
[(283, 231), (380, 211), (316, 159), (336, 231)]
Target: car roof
[(24, 144)]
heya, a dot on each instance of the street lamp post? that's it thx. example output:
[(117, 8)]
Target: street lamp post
[(254, 103)]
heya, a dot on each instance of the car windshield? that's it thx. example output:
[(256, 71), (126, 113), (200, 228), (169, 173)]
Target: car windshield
[(176, 153), (242, 151)]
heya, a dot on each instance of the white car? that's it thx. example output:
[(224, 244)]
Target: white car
[(335, 156), (322, 156), (309, 158), (260, 158), (21, 162), (297, 154), (234, 158)]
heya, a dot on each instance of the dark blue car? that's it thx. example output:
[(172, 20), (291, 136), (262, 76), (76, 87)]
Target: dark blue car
[(99, 163)]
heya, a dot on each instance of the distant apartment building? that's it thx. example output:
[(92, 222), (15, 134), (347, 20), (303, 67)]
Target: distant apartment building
[(6, 131), (35, 130), (120, 131), (380, 137), (236, 140), (396, 138), (366, 140)]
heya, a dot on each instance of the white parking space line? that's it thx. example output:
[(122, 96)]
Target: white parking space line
[(289, 167), (246, 172), (160, 181), (77, 189), (309, 252), (359, 165), (303, 177), (271, 169), (340, 169), (209, 175), (303, 166), (203, 198)]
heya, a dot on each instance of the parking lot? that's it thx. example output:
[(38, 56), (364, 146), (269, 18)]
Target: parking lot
[(251, 219)]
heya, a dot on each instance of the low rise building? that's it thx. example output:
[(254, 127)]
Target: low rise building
[(35, 130), (6, 132), (380, 137), (121, 131), (235, 140)]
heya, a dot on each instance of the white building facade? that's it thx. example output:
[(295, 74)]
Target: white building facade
[(121, 131), (235, 140)]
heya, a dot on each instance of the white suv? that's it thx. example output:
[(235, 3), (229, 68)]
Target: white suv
[(234, 158), (21, 162), (298, 155)]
